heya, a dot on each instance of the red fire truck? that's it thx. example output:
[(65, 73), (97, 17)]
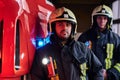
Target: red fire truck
[(21, 23)]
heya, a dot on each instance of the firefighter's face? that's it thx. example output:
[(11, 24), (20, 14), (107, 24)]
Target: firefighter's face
[(63, 29), (102, 21)]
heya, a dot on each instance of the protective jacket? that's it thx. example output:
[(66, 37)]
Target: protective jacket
[(106, 46), (69, 58)]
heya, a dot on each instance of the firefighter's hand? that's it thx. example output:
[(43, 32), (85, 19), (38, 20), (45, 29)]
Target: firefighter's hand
[(105, 74)]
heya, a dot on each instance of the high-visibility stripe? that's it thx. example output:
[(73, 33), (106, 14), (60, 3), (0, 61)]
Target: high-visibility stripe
[(109, 52), (83, 77), (117, 66), (56, 77), (83, 68), (108, 63)]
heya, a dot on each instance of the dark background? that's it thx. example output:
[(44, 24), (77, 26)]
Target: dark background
[(82, 10)]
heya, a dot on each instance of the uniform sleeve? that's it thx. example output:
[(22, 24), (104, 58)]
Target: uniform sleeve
[(114, 72), (37, 71), (95, 67)]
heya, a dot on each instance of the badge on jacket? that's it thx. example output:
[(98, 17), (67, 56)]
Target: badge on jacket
[(88, 44)]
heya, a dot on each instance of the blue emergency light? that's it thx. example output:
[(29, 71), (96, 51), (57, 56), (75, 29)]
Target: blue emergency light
[(40, 42)]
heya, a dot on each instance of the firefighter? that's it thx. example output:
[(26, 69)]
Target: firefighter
[(104, 42), (64, 58)]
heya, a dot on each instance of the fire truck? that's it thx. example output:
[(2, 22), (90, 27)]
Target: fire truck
[(23, 26)]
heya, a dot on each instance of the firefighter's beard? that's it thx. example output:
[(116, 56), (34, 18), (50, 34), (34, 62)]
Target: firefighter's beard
[(64, 35)]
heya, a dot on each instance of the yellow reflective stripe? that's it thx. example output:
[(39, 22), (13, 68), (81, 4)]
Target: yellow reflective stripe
[(108, 63), (83, 77), (83, 68), (109, 52), (56, 77), (55, 65), (117, 66)]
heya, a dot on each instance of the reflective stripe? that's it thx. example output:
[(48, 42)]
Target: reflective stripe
[(117, 66), (108, 63), (109, 52), (83, 68), (83, 77), (56, 77)]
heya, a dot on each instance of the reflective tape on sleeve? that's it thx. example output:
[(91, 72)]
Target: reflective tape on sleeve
[(117, 67)]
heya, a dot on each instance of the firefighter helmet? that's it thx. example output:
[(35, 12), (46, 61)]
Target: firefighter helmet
[(102, 10), (63, 14)]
